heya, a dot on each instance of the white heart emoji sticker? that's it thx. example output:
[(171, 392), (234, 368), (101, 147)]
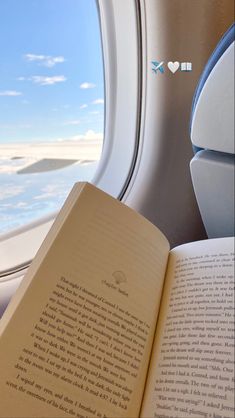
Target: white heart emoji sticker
[(173, 66)]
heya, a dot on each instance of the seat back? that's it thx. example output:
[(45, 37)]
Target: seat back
[(212, 135)]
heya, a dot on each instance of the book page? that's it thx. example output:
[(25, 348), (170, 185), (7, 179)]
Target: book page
[(192, 365), (79, 343)]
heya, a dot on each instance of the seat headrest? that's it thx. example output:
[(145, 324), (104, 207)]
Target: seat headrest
[(212, 119)]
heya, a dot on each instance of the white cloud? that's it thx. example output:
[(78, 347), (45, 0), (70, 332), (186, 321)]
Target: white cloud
[(11, 191), (98, 101), (10, 93), (46, 80), (94, 112), (51, 190), (9, 166), (88, 136), (20, 205), (87, 85), (72, 122), (45, 60), (83, 106)]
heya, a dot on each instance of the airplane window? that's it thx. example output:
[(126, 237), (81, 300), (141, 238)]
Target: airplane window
[(51, 104)]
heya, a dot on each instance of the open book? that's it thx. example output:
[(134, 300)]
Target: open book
[(109, 323)]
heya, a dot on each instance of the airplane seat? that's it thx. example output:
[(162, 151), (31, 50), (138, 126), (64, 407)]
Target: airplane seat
[(212, 136)]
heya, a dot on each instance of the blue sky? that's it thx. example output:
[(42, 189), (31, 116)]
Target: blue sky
[(51, 72)]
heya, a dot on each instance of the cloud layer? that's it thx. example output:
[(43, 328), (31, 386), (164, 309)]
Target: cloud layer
[(87, 85), (88, 136), (47, 80), (10, 93), (44, 60), (72, 122), (98, 101)]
